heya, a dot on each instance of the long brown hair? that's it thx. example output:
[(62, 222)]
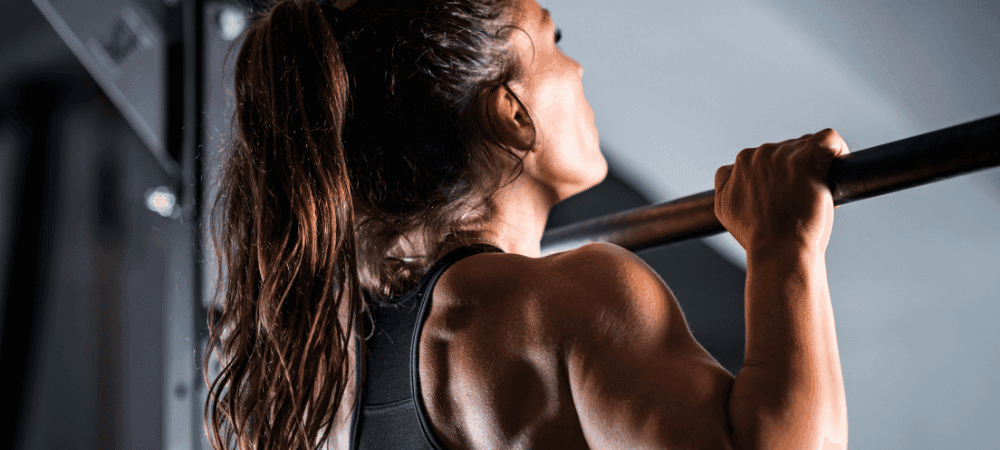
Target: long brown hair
[(359, 142)]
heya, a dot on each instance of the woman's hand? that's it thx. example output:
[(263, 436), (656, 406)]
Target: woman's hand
[(776, 195), (775, 201)]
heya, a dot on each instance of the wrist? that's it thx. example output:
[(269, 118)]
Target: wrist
[(786, 250)]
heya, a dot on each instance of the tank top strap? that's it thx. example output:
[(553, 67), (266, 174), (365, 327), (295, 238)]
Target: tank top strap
[(424, 292), (408, 379), (430, 279)]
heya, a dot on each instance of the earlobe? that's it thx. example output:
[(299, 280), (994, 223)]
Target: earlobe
[(509, 118)]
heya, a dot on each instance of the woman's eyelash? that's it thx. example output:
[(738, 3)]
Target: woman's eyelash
[(558, 35)]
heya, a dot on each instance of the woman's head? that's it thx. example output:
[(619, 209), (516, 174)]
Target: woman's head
[(413, 137), (448, 96), (565, 158), (361, 139), (446, 101), (424, 157)]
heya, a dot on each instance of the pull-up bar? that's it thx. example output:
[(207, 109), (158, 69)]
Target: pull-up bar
[(859, 175)]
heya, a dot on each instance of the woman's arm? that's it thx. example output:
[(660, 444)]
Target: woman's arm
[(790, 392), (640, 380), (775, 201)]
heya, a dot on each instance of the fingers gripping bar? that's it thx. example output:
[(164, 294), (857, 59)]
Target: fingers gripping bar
[(882, 169)]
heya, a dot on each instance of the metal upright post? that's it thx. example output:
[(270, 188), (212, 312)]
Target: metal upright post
[(191, 191), (184, 106)]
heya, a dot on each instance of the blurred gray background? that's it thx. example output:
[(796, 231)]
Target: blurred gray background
[(104, 280)]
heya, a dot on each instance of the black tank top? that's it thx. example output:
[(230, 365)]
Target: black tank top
[(391, 413)]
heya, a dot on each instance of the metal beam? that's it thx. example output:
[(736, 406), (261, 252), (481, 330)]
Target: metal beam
[(867, 173)]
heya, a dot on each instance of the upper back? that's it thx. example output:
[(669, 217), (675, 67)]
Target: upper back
[(522, 352), (489, 355)]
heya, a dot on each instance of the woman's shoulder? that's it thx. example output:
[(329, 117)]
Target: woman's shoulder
[(603, 274), (606, 283), (596, 328), (514, 270), (607, 259), (604, 267)]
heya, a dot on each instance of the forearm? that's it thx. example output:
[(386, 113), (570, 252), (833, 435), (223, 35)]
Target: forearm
[(790, 391)]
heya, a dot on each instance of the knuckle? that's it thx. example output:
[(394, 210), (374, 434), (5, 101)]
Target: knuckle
[(792, 157), (828, 138), (788, 149), (745, 155), (767, 152), (769, 147)]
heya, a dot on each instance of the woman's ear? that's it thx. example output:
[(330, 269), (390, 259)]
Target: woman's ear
[(509, 119)]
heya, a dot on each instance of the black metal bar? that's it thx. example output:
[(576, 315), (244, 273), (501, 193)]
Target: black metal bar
[(867, 173), (192, 18), (36, 109)]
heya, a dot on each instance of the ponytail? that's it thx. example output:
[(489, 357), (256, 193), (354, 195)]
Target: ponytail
[(290, 291)]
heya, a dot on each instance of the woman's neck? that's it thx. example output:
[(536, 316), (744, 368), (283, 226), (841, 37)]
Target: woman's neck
[(518, 220)]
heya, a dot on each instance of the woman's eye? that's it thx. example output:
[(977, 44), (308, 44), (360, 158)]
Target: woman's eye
[(558, 35)]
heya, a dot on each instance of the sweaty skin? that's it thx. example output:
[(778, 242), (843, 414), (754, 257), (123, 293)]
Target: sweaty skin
[(588, 348)]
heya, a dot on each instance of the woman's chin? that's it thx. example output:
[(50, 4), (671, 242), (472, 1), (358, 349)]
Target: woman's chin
[(598, 170), (603, 172), (596, 174)]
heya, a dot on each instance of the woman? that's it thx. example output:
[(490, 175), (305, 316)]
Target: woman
[(393, 167)]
